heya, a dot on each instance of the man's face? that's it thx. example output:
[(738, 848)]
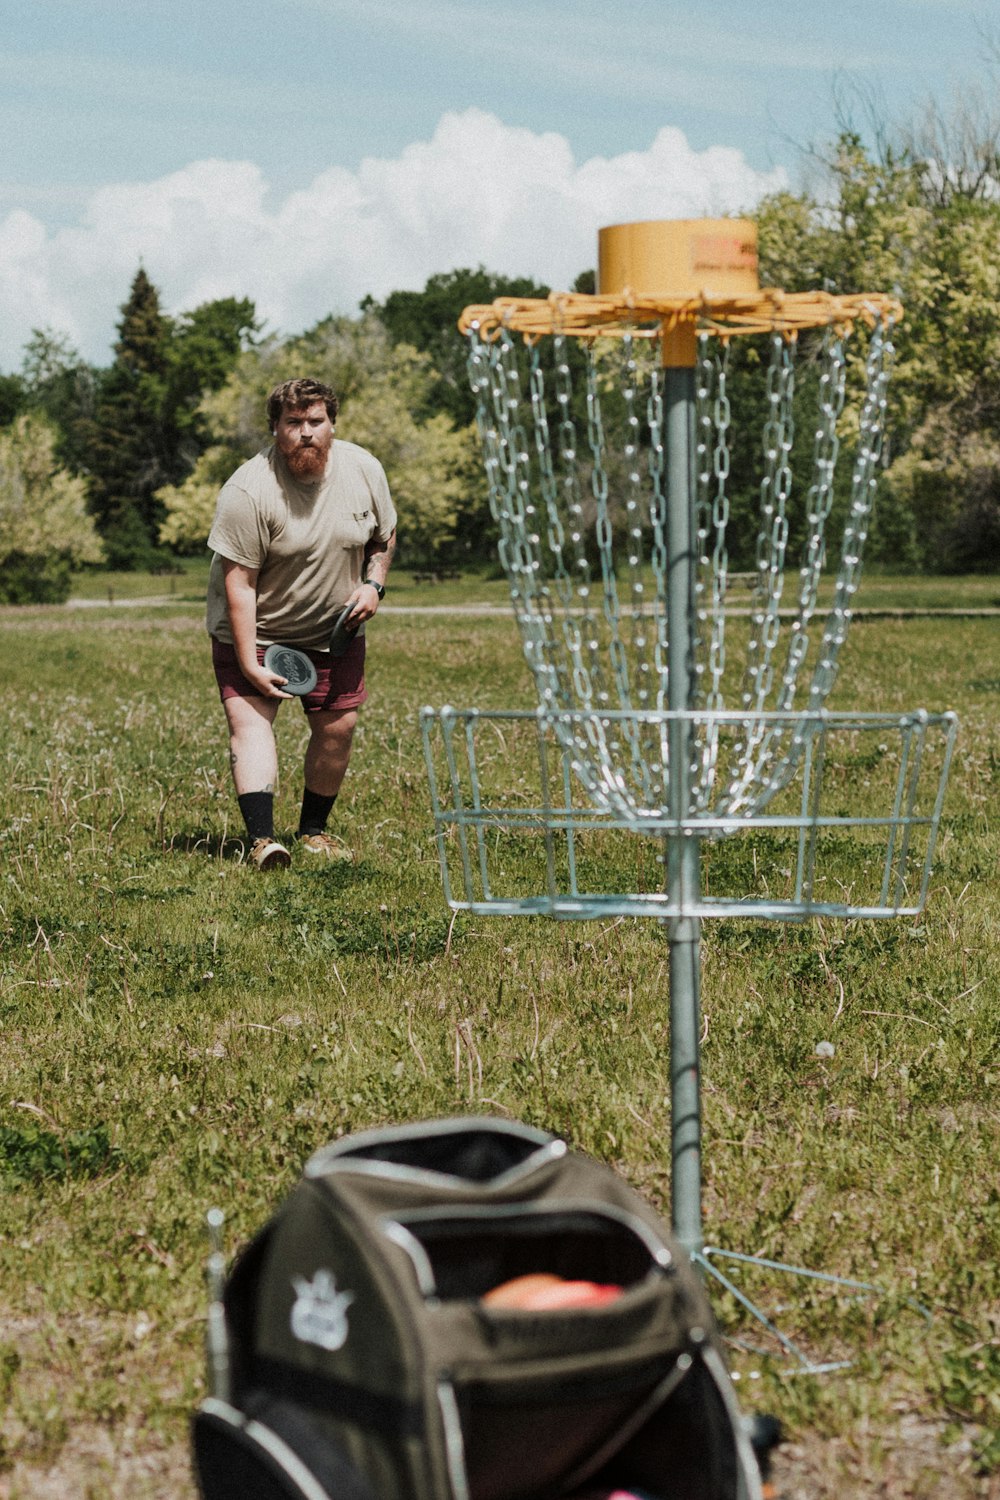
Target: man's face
[(303, 436)]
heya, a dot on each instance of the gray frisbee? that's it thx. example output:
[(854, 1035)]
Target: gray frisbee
[(293, 665)]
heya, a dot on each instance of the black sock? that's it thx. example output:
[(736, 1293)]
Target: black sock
[(258, 814), (315, 811)]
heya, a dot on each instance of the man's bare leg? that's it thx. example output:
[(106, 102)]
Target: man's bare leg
[(253, 759), (329, 750), (253, 755), (327, 757)]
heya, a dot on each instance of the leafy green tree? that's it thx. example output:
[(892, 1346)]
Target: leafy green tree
[(59, 385), (204, 347), (11, 398), (429, 465), (896, 219), (189, 507), (45, 530), (428, 321)]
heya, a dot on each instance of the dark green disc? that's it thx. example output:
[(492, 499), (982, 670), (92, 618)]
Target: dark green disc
[(293, 665)]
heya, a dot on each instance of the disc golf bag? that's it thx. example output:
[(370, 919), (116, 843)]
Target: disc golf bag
[(361, 1348)]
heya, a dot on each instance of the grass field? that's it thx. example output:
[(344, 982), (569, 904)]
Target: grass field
[(180, 1031), (878, 591)]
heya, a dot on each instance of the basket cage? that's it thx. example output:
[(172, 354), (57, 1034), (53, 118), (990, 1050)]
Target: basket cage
[(851, 832)]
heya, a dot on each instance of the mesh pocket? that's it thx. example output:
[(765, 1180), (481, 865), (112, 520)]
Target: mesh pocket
[(462, 1255)]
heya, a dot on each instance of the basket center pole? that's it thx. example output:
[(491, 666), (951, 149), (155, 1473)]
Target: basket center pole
[(681, 851), (691, 258)]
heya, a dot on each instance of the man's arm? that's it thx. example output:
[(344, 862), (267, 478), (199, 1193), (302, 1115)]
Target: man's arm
[(378, 561), (378, 557), (240, 584)]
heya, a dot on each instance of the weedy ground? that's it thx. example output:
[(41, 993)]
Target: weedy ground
[(179, 1032)]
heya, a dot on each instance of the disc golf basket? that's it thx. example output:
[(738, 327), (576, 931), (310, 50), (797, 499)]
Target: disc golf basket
[(679, 701)]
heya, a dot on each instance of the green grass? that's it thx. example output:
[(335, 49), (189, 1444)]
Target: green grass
[(895, 591), (187, 584), (473, 586), (180, 1031), (481, 585)]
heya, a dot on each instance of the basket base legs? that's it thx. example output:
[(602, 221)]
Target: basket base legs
[(800, 1362)]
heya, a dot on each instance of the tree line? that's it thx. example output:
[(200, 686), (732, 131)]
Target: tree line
[(121, 464)]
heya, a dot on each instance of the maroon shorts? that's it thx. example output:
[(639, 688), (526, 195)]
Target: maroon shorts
[(340, 679)]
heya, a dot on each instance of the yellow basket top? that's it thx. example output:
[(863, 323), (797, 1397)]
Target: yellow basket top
[(768, 310), (672, 279)]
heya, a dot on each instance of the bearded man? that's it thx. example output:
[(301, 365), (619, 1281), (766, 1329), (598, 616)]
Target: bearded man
[(302, 530)]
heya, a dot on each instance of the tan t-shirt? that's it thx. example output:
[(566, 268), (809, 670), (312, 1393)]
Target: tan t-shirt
[(307, 541)]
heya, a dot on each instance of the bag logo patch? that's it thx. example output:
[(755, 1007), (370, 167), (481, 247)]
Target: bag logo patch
[(319, 1312)]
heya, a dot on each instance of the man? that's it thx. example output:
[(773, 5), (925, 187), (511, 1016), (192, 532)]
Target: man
[(302, 530)]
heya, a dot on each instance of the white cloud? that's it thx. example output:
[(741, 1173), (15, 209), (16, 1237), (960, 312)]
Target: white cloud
[(478, 192)]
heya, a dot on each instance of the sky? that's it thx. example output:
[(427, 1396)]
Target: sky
[(306, 153)]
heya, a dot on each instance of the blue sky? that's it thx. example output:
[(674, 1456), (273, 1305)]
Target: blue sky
[(304, 154)]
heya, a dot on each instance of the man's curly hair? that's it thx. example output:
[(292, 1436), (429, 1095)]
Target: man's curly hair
[(292, 395)]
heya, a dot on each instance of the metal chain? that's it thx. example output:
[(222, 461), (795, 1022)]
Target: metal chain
[(831, 392), (588, 676), (772, 539), (722, 416), (826, 446), (658, 522), (556, 538), (644, 693), (642, 683), (604, 535), (755, 747), (871, 435), (704, 441), (718, 416), (775, 761), (870, 439), (496, 384), (556, 535), (520, 539)]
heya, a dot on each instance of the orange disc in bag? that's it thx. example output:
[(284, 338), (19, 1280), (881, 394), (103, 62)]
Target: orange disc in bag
[(542, 1291)]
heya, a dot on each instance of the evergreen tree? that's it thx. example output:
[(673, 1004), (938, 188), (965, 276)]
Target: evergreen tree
[(130, 452)]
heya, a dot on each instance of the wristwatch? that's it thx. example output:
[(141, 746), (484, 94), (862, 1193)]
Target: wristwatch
[(378, 587)]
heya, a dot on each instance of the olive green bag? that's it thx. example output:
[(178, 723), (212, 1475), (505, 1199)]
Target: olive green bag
[(363, 1364)]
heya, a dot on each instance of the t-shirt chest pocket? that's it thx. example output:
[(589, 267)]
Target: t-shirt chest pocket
[(361, 524)]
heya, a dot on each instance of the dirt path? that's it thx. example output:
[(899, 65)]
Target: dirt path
[(875, 613)]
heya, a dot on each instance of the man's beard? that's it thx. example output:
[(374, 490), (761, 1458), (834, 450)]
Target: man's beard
[(308, 463)]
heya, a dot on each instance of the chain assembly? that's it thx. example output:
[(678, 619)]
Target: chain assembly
[(574, 437)]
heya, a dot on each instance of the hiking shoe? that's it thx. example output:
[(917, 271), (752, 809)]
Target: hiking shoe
[(268, 854), (323, 846)]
